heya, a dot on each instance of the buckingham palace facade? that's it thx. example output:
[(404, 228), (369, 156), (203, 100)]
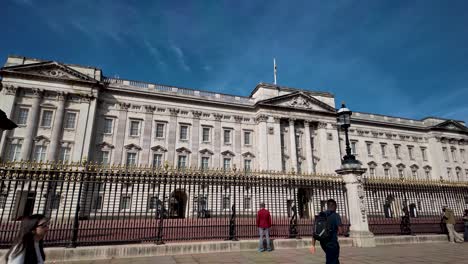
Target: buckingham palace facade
[(73, 113)]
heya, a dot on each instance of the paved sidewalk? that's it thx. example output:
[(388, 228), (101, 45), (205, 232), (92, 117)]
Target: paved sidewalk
[(416, 253)]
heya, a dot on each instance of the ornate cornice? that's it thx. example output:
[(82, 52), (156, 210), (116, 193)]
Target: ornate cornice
[(9, 89), (238, 119), (174, 111), (150, 109), (321, 125), (217, 116), (261, 118), (123, 106), (197, 114)]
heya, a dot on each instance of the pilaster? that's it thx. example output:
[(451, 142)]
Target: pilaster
[(147, 136), (262, 142), (292, 138), (33, 124), (121, 132), (194, 161), (58, 127)]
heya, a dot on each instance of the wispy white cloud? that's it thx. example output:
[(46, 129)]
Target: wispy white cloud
[(155, 53), (180, 57)]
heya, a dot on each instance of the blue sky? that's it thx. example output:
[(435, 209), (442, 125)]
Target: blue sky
[(402, 58)]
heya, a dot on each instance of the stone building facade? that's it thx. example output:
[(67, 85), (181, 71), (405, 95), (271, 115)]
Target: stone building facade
[(74, 113)]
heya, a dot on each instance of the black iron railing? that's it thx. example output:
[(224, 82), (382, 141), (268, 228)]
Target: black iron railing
[(92, 204), (402, 206)]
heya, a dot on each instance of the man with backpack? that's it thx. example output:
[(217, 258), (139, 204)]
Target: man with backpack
[(326, 227)]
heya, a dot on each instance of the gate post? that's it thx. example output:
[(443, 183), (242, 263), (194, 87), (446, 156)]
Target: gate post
[(359, 229)]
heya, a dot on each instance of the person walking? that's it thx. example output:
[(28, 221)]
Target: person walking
[(329, 243), (28, 247), (263, 224), (405, 224), (465, 222), (449, 220)]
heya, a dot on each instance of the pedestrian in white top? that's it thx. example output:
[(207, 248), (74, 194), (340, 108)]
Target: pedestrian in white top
[(28, 247)]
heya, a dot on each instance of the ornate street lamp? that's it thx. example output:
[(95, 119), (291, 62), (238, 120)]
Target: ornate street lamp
[(344, 121)]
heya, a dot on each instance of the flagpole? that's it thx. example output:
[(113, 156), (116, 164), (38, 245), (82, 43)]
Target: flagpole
[(274, 68)]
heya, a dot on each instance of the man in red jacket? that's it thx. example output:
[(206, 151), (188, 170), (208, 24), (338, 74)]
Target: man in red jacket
[(263, 224)]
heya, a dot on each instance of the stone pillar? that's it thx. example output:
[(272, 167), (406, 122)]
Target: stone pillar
[(57, 128), (172, 136), (7, 101), (238, 142), (262, 142), (308, 148), (217, 141), (91, 101), (33, 123), (146, 145), (292, 137), (359, 229), (121, 132), (195, 139), (274, 146)]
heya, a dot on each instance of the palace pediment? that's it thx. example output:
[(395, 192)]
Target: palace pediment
[(50, 70), (298, 100), (451, 125)]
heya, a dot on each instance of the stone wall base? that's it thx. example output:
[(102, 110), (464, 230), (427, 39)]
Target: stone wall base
[(362, 239), (62, 255)]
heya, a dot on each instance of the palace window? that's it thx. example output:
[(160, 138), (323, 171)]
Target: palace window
[(369, 148), (226, 202), (454, 154), (157, 160), (462, 155), (14, 151), (353, 147), (227, 163), (159, 130), (96, 203), (410, 152), (40, 153), (134, 128), (205, 163), (108, 125), (247, 165), (383, 147), (227, 136), (449, 173), (183, 132), (125, 202), (458, 173), (46, 120), (247, 203), (397, 151), (182, 161), (424, 153), (247, 137), (22, 116), (104, 159), (70, 120), (65, 154), (444, 150), (131, 158), (206, 134)]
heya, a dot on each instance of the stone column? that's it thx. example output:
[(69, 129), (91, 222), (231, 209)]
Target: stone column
[(292, 137), (147, 136), (308, 148), (359, 229), (7, 101), (238, 142), (88, 103), (274, 146), (33, 123), (217, 141), (121, 132), (57, 128), (262, 142), (195, 139), (172, 136)]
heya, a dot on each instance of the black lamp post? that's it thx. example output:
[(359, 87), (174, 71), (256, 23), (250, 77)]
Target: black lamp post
[(344, 121), (5, 123)]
